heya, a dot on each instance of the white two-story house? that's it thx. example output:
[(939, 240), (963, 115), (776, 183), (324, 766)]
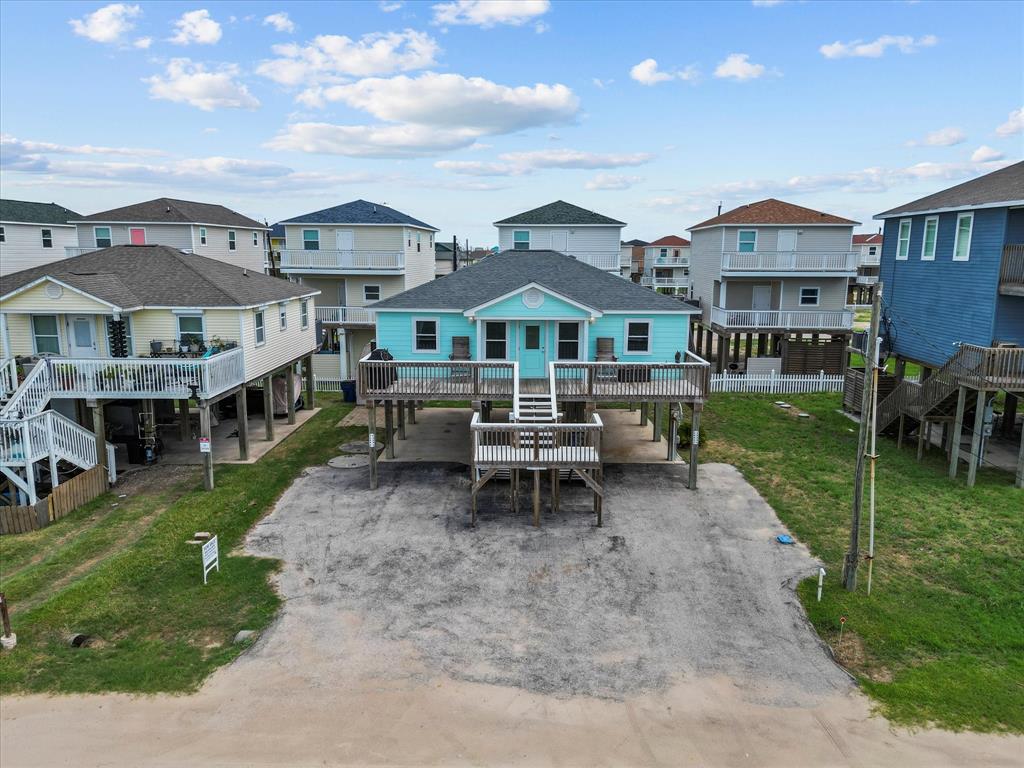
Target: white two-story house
[(33, 234), (205, 229), (869, 260), (566, 228), (773, 270), (355, 254), (667, 265)]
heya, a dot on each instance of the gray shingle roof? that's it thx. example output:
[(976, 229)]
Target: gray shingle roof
[(511, 270), (131, 276), (171, 211), (35, 213), (358, 212), (560, 212), (1002, 186)]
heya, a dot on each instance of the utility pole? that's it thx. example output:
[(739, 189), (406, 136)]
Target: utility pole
[(853, 553)]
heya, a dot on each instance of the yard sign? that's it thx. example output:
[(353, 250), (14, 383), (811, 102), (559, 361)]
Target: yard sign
[(211, 557), (204, 445)]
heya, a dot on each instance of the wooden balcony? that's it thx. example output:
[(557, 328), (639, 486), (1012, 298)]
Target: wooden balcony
[(1011, 274), (789, 262), (362, 316), (342, 262), (782, 319), (536, 446)]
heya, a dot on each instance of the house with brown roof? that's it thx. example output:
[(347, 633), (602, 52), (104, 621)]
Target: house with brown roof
[(777, 274), (667, 265), (869, 257)]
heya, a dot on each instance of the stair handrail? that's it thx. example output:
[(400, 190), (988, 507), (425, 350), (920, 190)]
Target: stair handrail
[(37, 382), (551, 390), (514, 416)]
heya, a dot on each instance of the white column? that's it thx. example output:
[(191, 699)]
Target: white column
[(343, 354)]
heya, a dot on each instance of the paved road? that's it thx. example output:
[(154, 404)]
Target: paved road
[(671, 636)]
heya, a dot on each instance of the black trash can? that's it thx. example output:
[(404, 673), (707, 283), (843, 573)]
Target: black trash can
[(379, 377), (348, 390)]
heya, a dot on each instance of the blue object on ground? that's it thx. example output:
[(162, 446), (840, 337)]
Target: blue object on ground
[(348, 389), (784, 538)]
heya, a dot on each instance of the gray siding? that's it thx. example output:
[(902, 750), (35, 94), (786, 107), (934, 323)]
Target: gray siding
[(23, 246), (581, 240), (705, 266), (808, 239)]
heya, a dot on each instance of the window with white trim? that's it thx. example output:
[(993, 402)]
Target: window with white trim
[(304, 314), (101, 236), (47, 235), (260, 326), (190, 329), (282, 316), (202, 235), (311, 239), (872, 250), (419, 237), (962, 244), (810, 297), (903, 240), (495, 341), (231, 239), (255, 239), (663, 252), (425, 333), (45, 336), (3, 235), (931, 233), (371, 293), (746, 240), (568, 341), (521, 240), (638, 337)]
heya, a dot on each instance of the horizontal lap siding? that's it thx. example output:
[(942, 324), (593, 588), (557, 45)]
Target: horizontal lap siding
[(583, 239), (390, 285), (245, 255), (364, 238), (1010, 320), (23, 246), (831, 292), (670, 335), (19, 333), (808, 239), (37, 302), (394, 333), (281, 346), (552, 307)]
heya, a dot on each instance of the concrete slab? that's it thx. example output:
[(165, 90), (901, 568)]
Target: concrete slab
[(224, 439)]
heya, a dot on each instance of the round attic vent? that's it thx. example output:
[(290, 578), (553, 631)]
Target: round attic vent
[(53, 291), (533, 298)]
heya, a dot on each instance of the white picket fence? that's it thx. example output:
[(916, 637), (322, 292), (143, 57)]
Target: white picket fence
[(775, 383)]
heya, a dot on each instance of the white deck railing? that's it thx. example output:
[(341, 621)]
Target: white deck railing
[(26, 441), (867, 279), (431, 379), (606, 260), (671, 261), (340, 315), (870, 261), (629, 381), (788, 261), (776, 383), (784, 319), (327, 260), (533, 446), (665, 282), (8, 377), (31, 396)]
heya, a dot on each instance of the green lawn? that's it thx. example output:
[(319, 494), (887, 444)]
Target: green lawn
[(940, 640), (125, 575)]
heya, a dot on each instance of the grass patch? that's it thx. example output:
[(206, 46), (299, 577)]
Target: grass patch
[(126, 576), (940, 641)]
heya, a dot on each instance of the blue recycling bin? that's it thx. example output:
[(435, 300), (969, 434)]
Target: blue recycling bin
[(348, 390)]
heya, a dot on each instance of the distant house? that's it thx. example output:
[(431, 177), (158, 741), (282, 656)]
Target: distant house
[(631, 259), (32, 234), (778, 272), (590, 237), (869, 255), (276, 238), (205, 229), (667, 265), (355, 254), (444, 258)]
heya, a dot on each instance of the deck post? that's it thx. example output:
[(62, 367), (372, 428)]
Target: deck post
[(242, 422), (268, 406), (513, 490), (536, 498), (720, 357), (184, 431), (556, 482), (310, 401), (371, 428), (401, 420), (922, 429), (1019, 483), (99, 428), (979, 421), (749, 346), (899, 437), (204, 433), (412, 411), (643, 412), (673, 431), (694, 444), (597, 476), (389, 428), (1009, 415), (958, 428), (656, 429), (289, 386)]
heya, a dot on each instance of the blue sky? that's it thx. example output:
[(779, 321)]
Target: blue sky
[(461, 112)]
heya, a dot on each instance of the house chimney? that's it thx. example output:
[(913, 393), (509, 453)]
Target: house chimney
[(455, 253), (719, 208)]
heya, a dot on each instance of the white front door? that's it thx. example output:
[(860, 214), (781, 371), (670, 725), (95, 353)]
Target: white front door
[(762, 298), (560, 241), (82, 335), (346, 240), (787, 240)]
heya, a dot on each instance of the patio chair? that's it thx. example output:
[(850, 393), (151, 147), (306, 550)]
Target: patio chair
[(460, 351), (605, 354)]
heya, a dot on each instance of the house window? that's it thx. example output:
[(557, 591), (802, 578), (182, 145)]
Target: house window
[(311, 239), (418, 243), (568, 341), (809, 297), (746, 240), (425, 331), (282, 316), (371, 293), (47, 237), (231, 239), (190, 329), (101, 236), (872, 251), (962, 245), (3, 235), (202, 235), (495, 343), (931, 229), (304, 314), (259, 322), (129, 345), (44, 334), (638, 336), (903, 243), (663, 252), (255, 239), (521, 240)]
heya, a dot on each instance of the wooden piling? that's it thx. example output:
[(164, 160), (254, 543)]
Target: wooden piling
[(957, 436), (242, 422), (184, 428), (204, 434), (536, 498), (371, 425), (389, 428), (268, 406), (979, 421), (289, 386)]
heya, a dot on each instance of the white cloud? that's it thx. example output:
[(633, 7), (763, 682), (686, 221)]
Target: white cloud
[(944, 137), (523, 163), (279, 21), (737, 66), (390, 7), (12, 147), (190, 82), (1014, 124), (329, 58), (647, 73), (142, 42), (196, 27), (489, 13), (878, 47), (108, 24), (479, 168), (611, 181), (381, 141), (599, 83), (986, 154)]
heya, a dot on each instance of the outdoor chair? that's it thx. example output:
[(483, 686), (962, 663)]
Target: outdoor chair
[(605, 354), (460, 351)]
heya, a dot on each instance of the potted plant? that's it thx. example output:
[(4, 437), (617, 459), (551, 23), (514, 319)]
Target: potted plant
[(156, 347)]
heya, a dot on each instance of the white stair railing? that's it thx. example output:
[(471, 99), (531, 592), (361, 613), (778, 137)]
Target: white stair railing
[(32, 396)]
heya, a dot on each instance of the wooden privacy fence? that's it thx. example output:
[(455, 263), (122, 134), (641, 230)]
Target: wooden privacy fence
[(65, 499), (775, 383)]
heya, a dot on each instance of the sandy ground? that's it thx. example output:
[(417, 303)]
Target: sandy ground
[(669, 637)]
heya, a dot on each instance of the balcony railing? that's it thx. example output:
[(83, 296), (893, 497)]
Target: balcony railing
[(623, 381), (1011, 275), (783, 319), (867, 279), (870, 261), (345, 315), (665, 282), (549, 445), (338, 261), (606, 260), (788, 261), (671, 261)]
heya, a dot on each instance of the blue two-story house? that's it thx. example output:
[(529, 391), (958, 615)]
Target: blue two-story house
[(953, 269)]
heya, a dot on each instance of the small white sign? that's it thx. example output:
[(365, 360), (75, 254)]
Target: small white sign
[(695, 437), (204, 445), (373, 440), (211, 557)]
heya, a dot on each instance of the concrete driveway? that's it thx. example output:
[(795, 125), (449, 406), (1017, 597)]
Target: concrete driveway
[(670, 636)]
